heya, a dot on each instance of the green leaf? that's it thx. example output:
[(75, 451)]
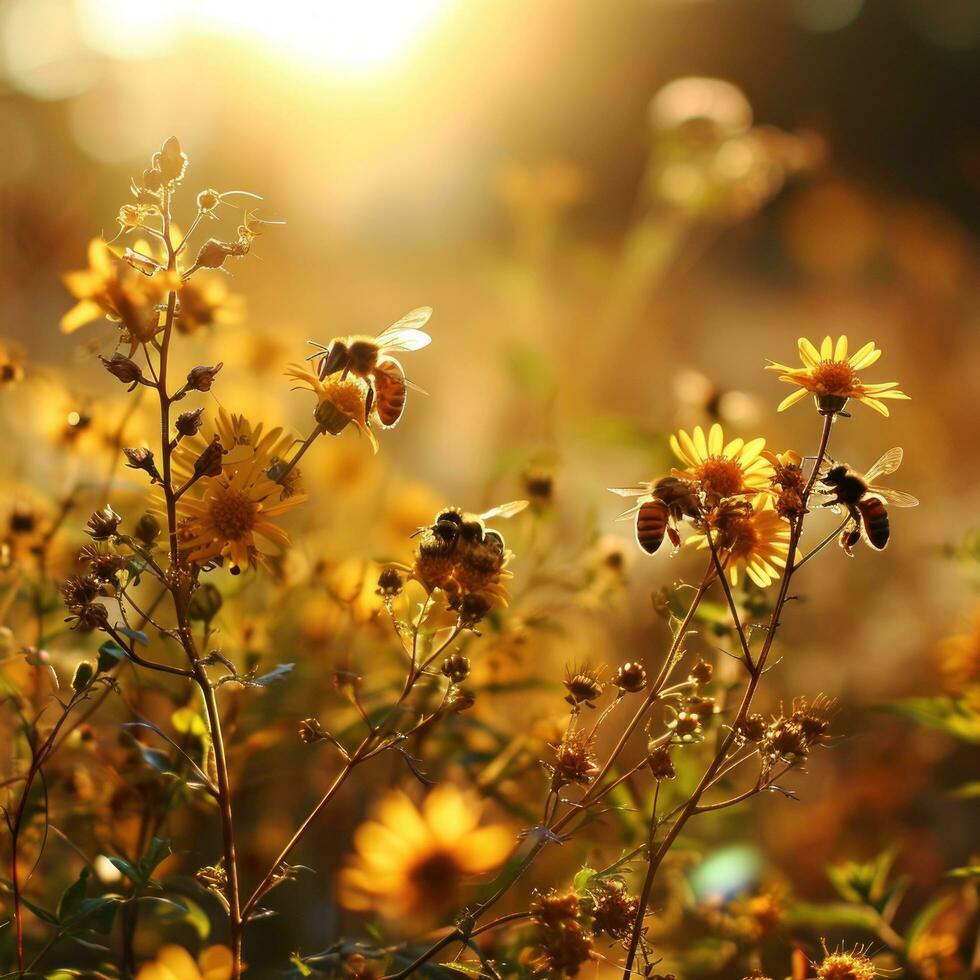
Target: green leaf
[(137, 636), (155, 855), (832, 915), (110, 654), (951, 715), (301, 967), (582, 880), (73, 896), (924, 919), (467, 969), (184, 909), (95, 913), (43, 914)]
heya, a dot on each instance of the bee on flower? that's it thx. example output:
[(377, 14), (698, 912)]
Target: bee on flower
[(832, 377), (720, 468), (340, 401), (411, 862)]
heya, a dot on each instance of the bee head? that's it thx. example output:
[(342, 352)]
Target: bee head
[(449, 516), (835, 475), (336, 359), (445, 531)]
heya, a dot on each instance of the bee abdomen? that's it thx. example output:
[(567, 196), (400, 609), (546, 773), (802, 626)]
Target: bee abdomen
[(651, 525), (874, 517)]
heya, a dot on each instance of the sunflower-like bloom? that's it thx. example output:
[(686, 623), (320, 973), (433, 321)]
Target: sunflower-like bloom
[(721, 469), (750, 536), (234, 515), (839, 965), (111, 288), (340, 401), (832, 377), (175, 963), (411, 863)]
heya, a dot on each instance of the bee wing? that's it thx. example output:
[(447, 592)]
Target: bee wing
[(888, 463), (397, 372), (505, 510), (638, 491), (895, 497), (632, 512), (405, 334)]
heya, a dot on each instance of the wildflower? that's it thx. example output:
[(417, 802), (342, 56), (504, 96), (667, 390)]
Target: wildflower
[(110, 288), (340, 401), (832, 377), (752, 536), (234, 516), (103, 565), (583, 685), (630, 677), (721, 469), (788, 483), (575, 761), (80, 593), (855, 965), (411, 862), (175, 963), (614, 909)]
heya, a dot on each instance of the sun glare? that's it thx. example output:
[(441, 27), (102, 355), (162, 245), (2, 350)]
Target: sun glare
[(336, 36)]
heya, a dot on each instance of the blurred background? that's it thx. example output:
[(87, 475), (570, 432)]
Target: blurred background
[(618, 211)]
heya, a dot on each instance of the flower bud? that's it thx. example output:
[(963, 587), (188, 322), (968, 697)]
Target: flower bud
[(84, 674), (472, 609), (660, 763), (208, 200), (331, 418), (202, 377), (147, 529), (205, 603), (631, 677), (141, 458), (702, 671), (171, 160), (310, 730), (456, 667), (152, 179)]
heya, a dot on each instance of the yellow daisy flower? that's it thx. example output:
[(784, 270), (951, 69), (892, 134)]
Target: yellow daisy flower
[(233, 516), (721, 469), (832, 377), (341, 401), (411, 862), (752, 537), (175, 963)]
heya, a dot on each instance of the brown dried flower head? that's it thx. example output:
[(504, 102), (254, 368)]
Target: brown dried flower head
[(631, 677), (583, 684)]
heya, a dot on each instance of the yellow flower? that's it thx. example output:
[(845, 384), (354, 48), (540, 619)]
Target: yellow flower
[(752, 537), (109, 287), (722, 469), (340, 401), (206, 302), (175, 963), (832, 377), (411, 863), (233, 517)]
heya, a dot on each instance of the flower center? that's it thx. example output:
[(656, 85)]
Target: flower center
[(834, 377), (232, 513), (720, 476), (435, 879)]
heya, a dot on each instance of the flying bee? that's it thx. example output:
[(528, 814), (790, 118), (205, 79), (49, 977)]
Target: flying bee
[(663, 505), (454, 527), (370, 359), (864, 501)]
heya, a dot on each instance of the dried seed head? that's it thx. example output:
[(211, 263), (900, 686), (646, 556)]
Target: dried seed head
[(702, 671), (209, 462), (147, 529), (461, 699), (754, 728), (123, 368), (785, 739), (104, 565), (583, 684), (171, 161), (686, 724), (472, 608), (704, 708), (660, 762), (201, 378), (574, 760), (86, 614), (103, 524), (555, 909), (208, 200), (456, 667), (188, 423), (141, 458), (631, 677), (839, 965), (614, 910), (565, 950), (310, 731)]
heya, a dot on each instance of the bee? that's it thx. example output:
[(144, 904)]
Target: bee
[(663, 505), (453, 527), (370, 359), (864, 501)]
